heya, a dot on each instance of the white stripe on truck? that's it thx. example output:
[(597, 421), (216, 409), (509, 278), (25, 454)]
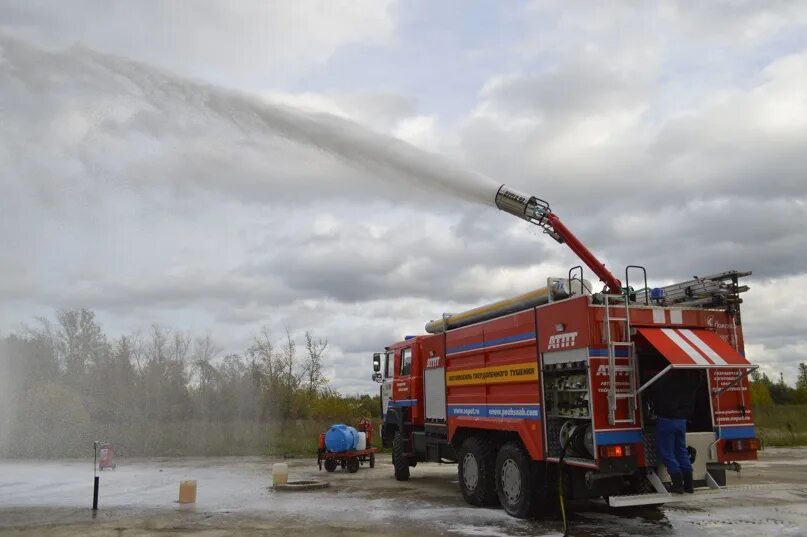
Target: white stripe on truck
[(685, 346), (706, 349)]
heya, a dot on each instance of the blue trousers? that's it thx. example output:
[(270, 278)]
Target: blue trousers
[(671, 445)]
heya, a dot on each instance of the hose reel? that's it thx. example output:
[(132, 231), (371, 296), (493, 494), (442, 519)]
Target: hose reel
[(582, 438)]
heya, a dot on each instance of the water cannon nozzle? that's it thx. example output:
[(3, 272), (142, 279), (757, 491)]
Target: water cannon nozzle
[(516, 203)]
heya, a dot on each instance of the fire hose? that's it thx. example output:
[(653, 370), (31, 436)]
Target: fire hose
[(572, 437)]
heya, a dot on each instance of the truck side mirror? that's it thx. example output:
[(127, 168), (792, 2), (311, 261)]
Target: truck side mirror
[(377, 362), (378, 377)]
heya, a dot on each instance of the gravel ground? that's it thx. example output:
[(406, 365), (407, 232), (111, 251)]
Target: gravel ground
[(51, 498)]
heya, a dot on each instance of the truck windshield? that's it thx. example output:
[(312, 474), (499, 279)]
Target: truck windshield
[(388, 360)]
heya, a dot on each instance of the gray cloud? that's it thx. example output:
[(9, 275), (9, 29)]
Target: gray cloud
[(677, 145), (724, 183)]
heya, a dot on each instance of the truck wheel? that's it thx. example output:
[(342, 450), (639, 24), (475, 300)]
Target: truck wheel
[(330, 465), (353, 465), (515, 480), (475, 470), (372, 460), (399, 460)]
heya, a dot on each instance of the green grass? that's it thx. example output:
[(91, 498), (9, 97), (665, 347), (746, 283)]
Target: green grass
[(299, 437), (782, 425)]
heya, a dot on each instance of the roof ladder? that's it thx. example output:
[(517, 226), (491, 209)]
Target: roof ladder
[(624, 370)]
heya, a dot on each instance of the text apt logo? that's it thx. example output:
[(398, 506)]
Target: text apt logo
[(560, 341), (602, 371)]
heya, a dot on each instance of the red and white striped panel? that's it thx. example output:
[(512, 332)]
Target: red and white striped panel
[(693, 348)]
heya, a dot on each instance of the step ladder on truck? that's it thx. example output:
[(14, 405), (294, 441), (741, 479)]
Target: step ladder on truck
[(549, 391)]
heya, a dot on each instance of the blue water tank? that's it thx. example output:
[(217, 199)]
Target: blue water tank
[(341, 437)]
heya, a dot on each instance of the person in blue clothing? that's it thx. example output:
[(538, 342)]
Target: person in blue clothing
[(674, 396)]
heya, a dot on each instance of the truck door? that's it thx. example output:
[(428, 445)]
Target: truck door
[(402, 385), (387, 369)]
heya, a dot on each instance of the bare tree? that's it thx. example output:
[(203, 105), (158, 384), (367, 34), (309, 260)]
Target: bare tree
[(288, 362), (204, 350), (312, 367), (156, 346), (262, 353), (289, 377), (263, 362)]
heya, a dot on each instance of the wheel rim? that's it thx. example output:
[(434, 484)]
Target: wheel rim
[(470, 472), (511, 481)]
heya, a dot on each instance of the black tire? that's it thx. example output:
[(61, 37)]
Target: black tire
[(330, 465), (399, 460), (515, 480), (353, 465), (476, 471), (372, 460)]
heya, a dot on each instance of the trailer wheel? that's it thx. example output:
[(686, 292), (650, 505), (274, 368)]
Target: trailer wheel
[(476, 471), (330, 465), (399, 460), (353, 465), (372, 460), (515, 480)]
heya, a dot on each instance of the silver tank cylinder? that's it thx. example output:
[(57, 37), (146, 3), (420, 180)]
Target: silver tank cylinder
[(513, 202), (556, 289)]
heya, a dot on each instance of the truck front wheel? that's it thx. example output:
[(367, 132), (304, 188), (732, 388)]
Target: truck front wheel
[(399, 460), (515, 480), (476, 471)]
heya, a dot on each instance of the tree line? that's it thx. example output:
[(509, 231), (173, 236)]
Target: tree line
[(765, 391), (163, 391), (65, 383)]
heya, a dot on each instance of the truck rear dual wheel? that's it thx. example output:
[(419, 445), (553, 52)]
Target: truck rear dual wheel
[(330, 465), (476, 471), (399, 460), (516, 478), (353, 465)]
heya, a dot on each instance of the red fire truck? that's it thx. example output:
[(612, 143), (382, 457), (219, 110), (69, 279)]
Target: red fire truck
[(548, 391)]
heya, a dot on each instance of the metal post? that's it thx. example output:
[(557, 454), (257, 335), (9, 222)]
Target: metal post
[(95, 493), (96, 478), (654, 379)]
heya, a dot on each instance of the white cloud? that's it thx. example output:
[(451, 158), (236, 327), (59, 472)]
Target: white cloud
[(242, 42), (420, 131)]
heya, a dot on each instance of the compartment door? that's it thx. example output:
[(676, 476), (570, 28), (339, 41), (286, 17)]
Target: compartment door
[(434, 389)]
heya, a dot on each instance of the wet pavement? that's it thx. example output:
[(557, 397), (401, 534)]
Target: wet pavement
[(235, 498)]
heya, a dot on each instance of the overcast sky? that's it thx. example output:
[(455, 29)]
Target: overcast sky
[(672, 135)]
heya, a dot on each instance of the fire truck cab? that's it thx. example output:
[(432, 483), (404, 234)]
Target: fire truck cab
[(552, 390)]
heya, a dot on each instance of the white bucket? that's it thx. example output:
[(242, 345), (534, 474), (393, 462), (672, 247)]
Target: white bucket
[(280, 473), (362, 444)]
